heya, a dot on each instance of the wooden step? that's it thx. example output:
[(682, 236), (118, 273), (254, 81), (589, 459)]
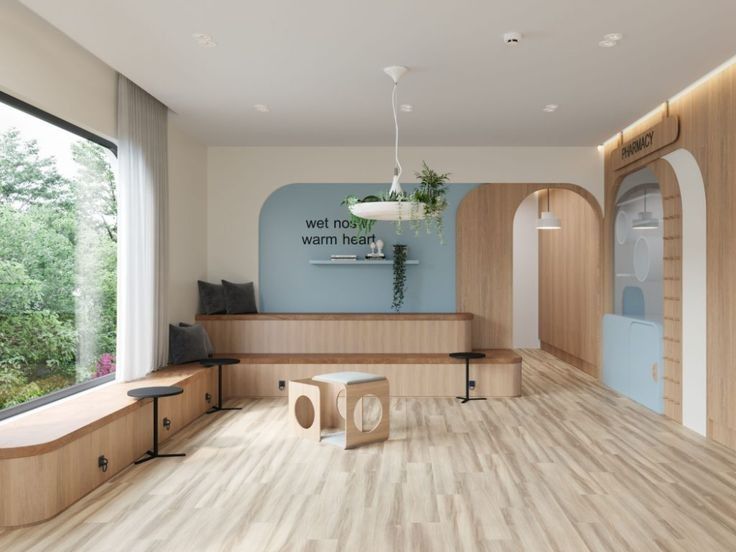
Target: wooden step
[(493, 356)]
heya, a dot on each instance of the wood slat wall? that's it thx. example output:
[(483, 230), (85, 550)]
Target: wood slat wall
[(708, 131)]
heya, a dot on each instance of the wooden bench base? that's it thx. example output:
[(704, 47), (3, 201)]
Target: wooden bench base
[(49, 458), (410, 375)]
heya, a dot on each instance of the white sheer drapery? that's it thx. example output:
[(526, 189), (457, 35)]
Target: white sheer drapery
[(142, 335)]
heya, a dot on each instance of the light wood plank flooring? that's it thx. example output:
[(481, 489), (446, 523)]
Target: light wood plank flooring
[(568, 466)]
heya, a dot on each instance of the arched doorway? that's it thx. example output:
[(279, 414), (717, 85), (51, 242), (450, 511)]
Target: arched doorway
[(484, 265), (684, 321)]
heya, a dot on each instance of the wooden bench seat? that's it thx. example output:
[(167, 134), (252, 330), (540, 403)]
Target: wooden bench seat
[(48, 457)]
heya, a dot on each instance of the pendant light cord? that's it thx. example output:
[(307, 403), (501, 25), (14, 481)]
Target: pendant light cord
[(394, 98)]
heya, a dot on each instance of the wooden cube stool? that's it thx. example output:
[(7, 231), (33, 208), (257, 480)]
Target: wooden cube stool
[(314, 406)]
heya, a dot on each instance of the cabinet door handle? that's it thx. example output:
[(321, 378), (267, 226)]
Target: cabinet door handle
[(655, 376)]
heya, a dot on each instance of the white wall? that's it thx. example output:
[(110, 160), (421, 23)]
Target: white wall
[(526, 274), (187, 222), (41, 66), (239, 179)]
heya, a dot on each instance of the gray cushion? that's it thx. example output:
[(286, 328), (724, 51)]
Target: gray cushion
[(211, 298), (239, 298), (348, 377), (207, 342), (186, 344)]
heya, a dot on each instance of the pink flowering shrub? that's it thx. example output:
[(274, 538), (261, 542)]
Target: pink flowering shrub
[(105, 365)]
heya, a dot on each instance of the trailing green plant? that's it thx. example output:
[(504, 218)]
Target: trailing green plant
[(399, 265), (431, 193), (363, 226)]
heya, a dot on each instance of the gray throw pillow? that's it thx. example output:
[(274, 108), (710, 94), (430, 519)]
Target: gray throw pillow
[(207, 341), (239, 298), (186, 344), (211, 298)]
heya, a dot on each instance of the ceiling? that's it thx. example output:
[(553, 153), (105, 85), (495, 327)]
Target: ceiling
[(318, 65)]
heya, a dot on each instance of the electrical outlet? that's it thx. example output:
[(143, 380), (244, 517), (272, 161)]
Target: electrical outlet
[(472, 384), (282, 385)]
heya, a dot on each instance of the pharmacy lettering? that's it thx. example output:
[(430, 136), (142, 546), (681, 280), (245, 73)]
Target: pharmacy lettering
[(657, 137)]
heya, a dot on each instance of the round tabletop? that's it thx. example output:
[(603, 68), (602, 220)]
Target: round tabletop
[(218, 361), (468, 355), (159, 391)]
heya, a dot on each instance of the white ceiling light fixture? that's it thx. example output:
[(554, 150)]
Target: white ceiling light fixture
[(645, 220), (407, 108), (550, 108), (204, 40), (394, 207), (262, 108), (548, 221), (610, 40)]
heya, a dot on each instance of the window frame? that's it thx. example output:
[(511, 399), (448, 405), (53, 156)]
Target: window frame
[(54, 396)]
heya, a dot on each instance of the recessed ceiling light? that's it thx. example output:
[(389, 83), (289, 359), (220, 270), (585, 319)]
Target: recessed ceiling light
[(550, 108), (262, 108), (512, 38), (613, 36), (407, 108), (607, 43), (204, 40)]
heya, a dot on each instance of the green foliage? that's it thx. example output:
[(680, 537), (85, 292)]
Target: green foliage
[(36, 341), (399, 266), (58, 264), (363, 226), (28, 179)]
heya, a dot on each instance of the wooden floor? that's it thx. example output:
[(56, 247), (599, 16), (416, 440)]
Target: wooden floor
[(568, 466)]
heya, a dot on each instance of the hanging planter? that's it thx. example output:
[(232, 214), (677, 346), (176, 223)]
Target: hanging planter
[(400, 256), (426, 203)]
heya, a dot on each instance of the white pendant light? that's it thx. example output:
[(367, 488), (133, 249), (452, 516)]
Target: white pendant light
[(645, 220), (392, 210), (548, 221)]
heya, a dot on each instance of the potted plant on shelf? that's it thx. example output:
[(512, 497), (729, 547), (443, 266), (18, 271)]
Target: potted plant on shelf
[(399, 265), (423, 206)]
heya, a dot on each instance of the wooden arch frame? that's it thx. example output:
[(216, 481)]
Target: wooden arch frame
[(484, 268)]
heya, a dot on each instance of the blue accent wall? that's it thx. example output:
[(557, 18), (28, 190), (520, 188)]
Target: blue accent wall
[(288, 283)]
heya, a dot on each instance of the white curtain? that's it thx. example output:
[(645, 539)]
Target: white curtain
[(142, 338)]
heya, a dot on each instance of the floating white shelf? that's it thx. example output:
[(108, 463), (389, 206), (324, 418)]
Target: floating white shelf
[(358, 262)]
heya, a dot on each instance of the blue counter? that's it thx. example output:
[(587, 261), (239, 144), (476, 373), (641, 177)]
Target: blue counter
[(633, 358)]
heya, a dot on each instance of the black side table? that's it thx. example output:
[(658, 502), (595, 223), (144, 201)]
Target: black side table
[(155, 393), (467, 357), (220, 362)]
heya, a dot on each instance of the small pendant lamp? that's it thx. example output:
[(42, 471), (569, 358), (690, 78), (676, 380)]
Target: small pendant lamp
[(645, 219), (548, 221)]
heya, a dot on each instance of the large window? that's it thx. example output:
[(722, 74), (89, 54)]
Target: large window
[(58, 258)]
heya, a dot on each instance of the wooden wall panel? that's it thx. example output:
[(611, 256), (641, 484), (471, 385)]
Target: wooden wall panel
[(484, 273), (570, 299), (708, 131)]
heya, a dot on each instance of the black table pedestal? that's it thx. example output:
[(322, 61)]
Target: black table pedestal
[(155, 393), (467, 357), (219, 363)]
